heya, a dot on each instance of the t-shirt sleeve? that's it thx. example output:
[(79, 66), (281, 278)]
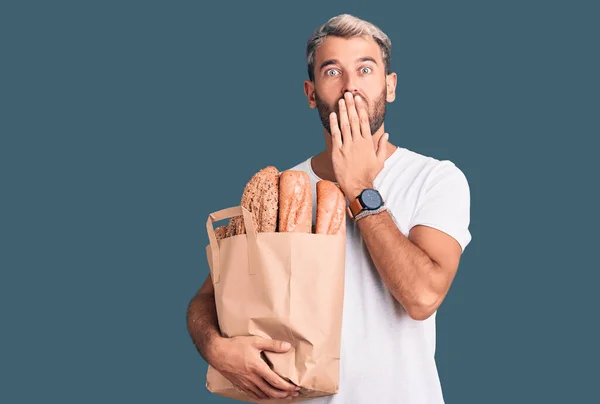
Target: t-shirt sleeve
[(444, 203)]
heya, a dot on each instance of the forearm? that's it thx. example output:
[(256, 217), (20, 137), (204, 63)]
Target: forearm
[(203, 325), (408, 273)]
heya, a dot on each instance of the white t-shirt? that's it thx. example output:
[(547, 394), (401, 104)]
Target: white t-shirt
[(387, 357)]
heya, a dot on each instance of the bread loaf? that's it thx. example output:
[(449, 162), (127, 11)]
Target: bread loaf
[(331, 209), (260, 197), (283, 202), (233, 226), (221, 232), (295, 202)]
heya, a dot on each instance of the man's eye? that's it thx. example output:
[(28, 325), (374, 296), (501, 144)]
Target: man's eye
[(366, 70), (331, 72)]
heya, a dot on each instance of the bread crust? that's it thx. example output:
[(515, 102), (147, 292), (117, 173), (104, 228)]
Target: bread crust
[(295, 202), (221, 232), (282, 202), (261, 198), (331, 209)]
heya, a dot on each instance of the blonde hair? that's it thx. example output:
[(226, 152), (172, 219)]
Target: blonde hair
[(346, 26)]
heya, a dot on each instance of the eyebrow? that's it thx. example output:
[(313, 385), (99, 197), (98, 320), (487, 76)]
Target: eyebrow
[(334, 61)]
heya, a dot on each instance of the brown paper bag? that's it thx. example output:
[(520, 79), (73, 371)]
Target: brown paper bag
[(283, 286)]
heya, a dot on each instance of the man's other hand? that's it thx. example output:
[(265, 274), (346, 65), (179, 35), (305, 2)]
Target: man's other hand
[(240, 361)]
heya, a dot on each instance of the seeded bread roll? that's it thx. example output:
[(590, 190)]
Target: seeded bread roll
[(295, 202), (331, 209), (221, 232), (261, 198), (232, 226)]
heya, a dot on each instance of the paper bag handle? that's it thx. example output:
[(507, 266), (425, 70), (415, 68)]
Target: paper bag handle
[(212, 238)]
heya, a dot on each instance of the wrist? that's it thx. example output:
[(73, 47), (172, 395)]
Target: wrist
[(368, 201), (365, 213), (355, 190), (215, 347)]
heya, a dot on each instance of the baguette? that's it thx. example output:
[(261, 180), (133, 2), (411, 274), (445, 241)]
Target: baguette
[(331, 209), (260, 197), (295, 202)]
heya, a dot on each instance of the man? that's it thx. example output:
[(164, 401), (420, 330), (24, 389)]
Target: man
[(407, 228)]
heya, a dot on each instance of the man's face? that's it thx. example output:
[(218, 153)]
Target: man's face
[(376, 110), (350, 65)]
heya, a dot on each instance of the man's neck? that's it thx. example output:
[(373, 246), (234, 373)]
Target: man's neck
[(322, 166)]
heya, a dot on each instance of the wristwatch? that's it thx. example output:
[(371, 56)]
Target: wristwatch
[(367, 202)]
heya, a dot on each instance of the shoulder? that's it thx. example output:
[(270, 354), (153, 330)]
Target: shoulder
[(446, 175), (429, 169), (427, 162), (442, 198), (407, 169)]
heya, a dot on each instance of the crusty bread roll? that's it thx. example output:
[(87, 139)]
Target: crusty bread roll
[(295, 202), (260, 197), (221, 232), (331, 209)]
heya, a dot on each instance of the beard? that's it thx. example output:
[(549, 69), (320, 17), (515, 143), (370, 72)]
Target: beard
[(376, 111)]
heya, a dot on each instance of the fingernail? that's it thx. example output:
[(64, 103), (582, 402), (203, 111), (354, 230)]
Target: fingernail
[(286, 345)]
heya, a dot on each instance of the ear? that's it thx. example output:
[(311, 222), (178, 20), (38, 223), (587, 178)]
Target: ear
[(390, 82), (309, 90)]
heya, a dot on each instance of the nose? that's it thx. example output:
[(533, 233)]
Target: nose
[(350, 84)]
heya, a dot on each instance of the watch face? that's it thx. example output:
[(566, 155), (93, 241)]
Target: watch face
[(371, 199)]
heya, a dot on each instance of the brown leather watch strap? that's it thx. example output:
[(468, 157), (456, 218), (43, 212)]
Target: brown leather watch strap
[(355, 207)]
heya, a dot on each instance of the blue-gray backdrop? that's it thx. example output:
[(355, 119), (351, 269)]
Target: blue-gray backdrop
[(124, 124)]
